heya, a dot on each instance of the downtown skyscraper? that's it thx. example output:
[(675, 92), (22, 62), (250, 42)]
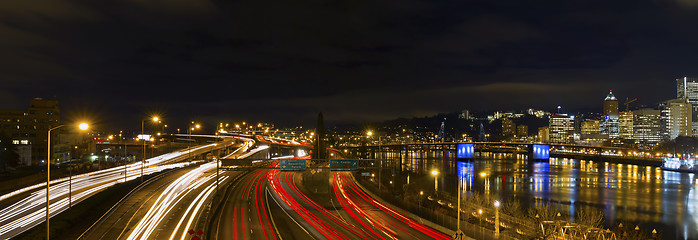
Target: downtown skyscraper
[(610, 123), (687, 89)]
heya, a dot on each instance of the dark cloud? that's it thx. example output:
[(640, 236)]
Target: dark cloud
[(355, 60)]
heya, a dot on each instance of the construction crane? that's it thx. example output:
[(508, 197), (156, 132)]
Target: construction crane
[(627, 103)]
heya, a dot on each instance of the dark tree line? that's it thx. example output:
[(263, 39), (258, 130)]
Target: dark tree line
[(8, 152), (680, 145)]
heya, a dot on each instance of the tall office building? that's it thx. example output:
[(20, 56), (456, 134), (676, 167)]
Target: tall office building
[(591, 127), (29, 128), (543, 135), (561, 128), (687, 88), (647, 126), (521, 131), (676, 117), (625, 125), (610, 104), (508, 128), (610, 126)]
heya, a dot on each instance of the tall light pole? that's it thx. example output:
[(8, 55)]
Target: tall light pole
[(217, 178), (125, 157), (436, 183), (155, 119), (191, 128), (458, 218), (82, 126), (496, 218), (479, 211), (421, 193), (380, 161)]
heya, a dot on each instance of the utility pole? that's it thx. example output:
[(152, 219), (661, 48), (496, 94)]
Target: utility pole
[(458, 218), (70, 188), (125, 162), (496, 219), (142, 157)]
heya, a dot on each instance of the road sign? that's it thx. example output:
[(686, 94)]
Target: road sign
[(292, 164), (365, 174), (341, 164)]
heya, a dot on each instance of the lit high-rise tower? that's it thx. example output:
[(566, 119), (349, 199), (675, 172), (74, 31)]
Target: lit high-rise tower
[(676, 118), (610, 126), (687, 88), (610, 104)]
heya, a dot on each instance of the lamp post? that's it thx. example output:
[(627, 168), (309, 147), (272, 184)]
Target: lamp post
[(82, 126), (155, 119), (191, 128), (217, 177), (479, 211), (496, 218), (436, 181), (378, 156), (125, 156), (458, 218), (421, 193)]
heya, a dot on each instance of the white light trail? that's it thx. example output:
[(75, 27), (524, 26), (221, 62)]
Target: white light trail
[(29, 211)]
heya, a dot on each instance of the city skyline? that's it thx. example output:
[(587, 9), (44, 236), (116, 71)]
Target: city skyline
[(390, 119)]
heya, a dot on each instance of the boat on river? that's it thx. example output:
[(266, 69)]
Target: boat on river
[(689, 165)]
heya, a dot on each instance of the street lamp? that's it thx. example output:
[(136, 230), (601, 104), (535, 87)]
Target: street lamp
[(191, 128), (436, 185), (458, 218), (479, 212), (496, 218), (155, 119), (380, 163), (421, 193), (82, 126)]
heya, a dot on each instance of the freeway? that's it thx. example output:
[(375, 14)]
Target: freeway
[(353, 214), (26, 208), (367, 211), (249, 211), (178, 209)]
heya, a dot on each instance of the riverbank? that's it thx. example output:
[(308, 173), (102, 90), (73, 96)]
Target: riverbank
[(641, 161)]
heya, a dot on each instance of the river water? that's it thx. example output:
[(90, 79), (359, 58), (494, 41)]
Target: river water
[(648, 196)]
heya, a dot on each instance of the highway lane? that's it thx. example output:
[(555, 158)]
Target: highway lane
[(354, 215), (123, 217), (369, 212), (250, 211), (25, 208), (179, 207), (320, 222)]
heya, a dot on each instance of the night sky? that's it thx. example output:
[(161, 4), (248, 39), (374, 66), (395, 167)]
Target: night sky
[(356, 61)]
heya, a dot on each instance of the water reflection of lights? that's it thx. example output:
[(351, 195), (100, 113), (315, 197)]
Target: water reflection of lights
[(692, 206), (541, 177), (625, 192), (465, 174)]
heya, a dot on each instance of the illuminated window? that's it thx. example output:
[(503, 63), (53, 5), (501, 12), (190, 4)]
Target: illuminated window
[(25, 142), (15, 142)]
